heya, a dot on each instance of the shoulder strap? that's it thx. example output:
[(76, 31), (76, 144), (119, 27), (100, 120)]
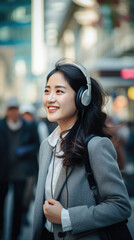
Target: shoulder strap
[(90, 175), (93, 187)]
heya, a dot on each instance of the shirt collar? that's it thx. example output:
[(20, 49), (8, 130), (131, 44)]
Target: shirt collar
[(55, 136)]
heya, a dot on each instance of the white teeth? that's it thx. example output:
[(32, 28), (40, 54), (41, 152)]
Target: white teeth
[(52, 108)]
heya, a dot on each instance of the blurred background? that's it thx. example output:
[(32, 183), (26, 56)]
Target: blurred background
[(98, 34)]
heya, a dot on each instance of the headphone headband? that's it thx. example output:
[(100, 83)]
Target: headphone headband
[(86, 74), (83, 96)]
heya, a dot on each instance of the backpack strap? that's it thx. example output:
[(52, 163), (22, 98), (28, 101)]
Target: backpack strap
[(90, 176), (93, 186)]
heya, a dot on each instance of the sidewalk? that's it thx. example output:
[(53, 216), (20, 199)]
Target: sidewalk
[(26, 232)]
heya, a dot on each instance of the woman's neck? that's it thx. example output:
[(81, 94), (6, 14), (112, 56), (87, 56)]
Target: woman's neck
[(66, 125)]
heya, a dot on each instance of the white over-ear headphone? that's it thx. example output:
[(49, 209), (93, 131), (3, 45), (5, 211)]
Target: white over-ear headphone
[(83, 96)]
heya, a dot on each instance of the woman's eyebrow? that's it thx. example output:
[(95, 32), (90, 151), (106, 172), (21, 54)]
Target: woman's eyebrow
[(58, 86)]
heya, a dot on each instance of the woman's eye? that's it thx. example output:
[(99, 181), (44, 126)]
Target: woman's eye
[(59, 91), (46, 91)]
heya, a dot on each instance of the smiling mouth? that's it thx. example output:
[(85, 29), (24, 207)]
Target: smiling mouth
[(53, 108)]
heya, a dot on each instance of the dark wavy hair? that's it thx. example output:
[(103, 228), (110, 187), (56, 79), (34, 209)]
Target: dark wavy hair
[(91, 120)]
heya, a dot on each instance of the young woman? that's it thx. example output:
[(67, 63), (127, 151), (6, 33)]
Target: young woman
[(65, 207)]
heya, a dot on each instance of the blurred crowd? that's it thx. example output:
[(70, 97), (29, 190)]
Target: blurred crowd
[(123, 140), (21, 134)]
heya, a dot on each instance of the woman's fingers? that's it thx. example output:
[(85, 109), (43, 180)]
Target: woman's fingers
[(52, 210)]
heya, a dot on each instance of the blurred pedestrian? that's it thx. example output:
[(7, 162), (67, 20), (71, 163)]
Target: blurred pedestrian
[(65, 207), (129, 171), (19, 145), (130, 146), (28, 113), (120, 135)]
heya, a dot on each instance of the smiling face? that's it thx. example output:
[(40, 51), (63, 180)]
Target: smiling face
[(59, 101)]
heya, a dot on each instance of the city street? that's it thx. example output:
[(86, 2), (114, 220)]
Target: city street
[(68, 66)]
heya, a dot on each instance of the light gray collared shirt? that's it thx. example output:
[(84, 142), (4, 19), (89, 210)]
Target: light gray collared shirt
[(52, 178)]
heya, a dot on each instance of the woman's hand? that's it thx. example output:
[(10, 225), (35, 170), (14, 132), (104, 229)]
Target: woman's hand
[(52, 210)]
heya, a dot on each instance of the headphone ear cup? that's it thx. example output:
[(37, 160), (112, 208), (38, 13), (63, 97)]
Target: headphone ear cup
[(78, 98)]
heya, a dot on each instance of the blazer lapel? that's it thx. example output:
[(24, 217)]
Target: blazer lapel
[(63, 176), (46, 157)]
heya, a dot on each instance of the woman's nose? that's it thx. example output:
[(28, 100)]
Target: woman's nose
[(51, 97)]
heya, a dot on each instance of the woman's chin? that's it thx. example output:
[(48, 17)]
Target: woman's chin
[(51, 119)]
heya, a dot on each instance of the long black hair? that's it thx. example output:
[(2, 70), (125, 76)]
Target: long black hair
[(91, 120)]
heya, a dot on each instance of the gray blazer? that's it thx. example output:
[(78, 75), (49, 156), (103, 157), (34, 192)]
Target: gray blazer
[(85, 216)]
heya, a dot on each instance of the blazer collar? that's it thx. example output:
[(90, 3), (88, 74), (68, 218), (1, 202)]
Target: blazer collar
[(64, 174), (45, 161), (62, 179), (54, 136)]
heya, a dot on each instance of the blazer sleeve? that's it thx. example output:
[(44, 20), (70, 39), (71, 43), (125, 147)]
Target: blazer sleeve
[(115, 206)]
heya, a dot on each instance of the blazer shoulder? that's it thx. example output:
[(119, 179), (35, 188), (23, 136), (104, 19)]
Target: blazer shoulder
[(100, 146), (98, 141)]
